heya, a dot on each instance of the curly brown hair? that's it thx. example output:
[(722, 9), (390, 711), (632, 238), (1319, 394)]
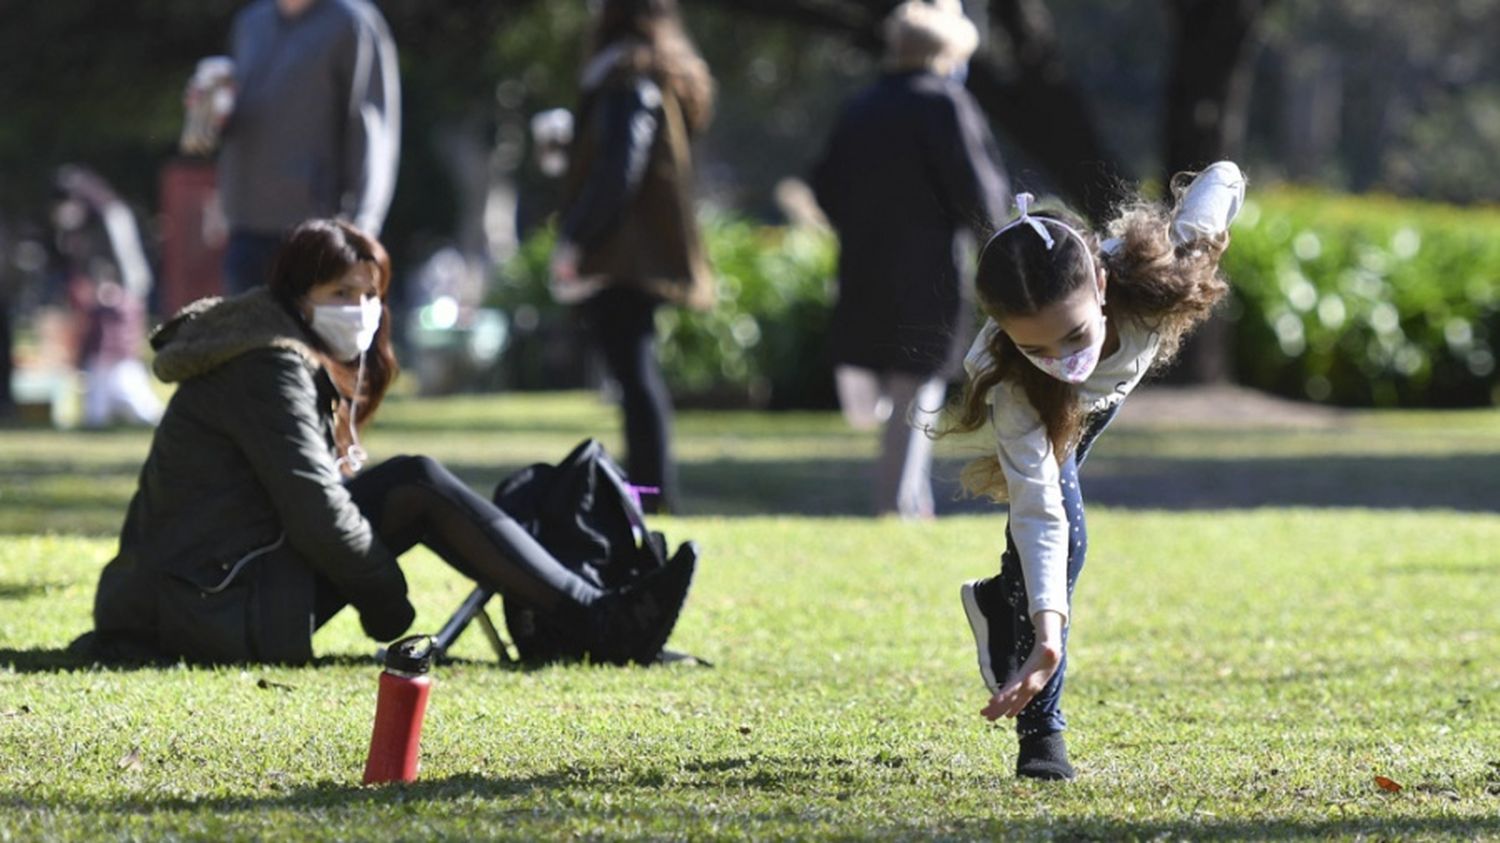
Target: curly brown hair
[(666, 53), (1168, 289)]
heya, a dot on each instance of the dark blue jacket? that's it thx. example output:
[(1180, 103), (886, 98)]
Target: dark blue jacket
[(910, 164)]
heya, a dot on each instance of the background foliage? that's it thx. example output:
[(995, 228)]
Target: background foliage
[(1357, 301), (763, 342), (1367, 301), (1363, 95)]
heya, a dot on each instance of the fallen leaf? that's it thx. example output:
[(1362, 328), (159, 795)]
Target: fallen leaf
[(1388, 785), (267, 685), (131, 760)]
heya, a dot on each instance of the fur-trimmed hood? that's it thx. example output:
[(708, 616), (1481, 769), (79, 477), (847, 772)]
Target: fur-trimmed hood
[(210, 332)]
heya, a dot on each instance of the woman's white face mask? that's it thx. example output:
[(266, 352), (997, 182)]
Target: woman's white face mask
[(347, 329), (345, 313)]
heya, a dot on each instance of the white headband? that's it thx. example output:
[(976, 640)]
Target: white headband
[(1039, 225)]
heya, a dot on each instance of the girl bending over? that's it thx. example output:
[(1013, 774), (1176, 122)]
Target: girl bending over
[(1075, 322)]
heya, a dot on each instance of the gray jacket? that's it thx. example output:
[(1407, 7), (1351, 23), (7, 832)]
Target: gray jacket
[(316, 126), (240, 504)]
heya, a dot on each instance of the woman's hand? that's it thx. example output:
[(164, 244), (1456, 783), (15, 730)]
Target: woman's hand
[(1046, 656), (564, 264), (567, 286)]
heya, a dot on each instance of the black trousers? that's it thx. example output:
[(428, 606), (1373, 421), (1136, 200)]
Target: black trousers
[(415, 500), (621, 322)]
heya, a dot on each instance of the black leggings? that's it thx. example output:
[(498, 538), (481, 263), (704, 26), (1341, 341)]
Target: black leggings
[(415, 500), (622, 323)]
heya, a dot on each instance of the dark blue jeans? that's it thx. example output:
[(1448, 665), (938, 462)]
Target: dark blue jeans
[(1044, 713), (248, 259)]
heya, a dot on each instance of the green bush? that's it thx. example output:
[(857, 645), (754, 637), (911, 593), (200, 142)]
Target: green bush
[(1366, 301), (766, 336), (763, 343), (1350, 300)]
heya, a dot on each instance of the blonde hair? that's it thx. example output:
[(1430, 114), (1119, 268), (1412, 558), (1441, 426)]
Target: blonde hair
[(1167, 288), (929, 36)]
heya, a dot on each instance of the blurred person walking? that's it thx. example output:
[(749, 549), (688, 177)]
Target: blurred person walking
[(314, 130), (911, 165), (108, 280), (628, 239)]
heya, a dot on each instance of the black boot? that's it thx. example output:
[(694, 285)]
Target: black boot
[(637, 620), (1044, 757)]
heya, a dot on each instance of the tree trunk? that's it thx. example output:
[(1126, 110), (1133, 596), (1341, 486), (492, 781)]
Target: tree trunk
[(7, 359), (1038, 106), (1208, 81), (1208, 96)]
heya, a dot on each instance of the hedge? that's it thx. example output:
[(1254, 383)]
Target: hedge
[(763, 344), (1356, 301), (1366, 300)]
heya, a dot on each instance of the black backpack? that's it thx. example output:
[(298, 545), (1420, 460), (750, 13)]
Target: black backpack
[(583, 511)]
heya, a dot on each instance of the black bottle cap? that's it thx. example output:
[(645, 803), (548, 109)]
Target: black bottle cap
[(411, 655)]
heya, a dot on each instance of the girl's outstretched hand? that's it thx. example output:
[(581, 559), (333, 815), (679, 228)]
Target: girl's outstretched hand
[(1035, 673)]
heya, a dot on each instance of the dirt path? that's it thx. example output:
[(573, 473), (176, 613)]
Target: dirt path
[(1224, 405)]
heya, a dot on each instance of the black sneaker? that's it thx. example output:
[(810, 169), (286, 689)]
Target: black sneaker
[(640, 617), (986, 610), (1044, 757)]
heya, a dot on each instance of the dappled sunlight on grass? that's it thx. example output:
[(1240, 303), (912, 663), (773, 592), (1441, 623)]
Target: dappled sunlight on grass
[(1244, 672), (1232, 674)]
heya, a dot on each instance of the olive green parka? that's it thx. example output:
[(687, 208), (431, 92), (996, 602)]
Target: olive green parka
[(241, 504)]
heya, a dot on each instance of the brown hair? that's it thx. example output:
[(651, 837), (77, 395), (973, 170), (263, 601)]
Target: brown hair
[(319, 251), (1169, 289), (667, 53)]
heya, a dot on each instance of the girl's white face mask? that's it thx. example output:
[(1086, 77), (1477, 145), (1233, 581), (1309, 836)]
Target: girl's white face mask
[(1076, 367), (347, 329)]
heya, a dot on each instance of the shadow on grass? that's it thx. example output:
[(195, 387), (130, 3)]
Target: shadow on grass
[(64, 660), (1463, 482), (842, 487), (26, 590), (1473, 569), (1111, 828), (68, 660), (88, 504), (790, 776)]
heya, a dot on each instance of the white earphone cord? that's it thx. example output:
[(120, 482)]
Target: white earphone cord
[(354, 455)]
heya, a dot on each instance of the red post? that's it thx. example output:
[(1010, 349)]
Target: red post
[(193, 233)]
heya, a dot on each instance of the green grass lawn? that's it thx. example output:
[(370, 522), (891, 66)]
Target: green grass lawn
[(1248, 655)]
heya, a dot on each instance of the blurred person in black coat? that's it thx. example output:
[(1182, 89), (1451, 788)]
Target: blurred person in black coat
[(910, 166)]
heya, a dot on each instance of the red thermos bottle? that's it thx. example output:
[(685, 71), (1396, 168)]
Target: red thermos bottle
[(404, 686)]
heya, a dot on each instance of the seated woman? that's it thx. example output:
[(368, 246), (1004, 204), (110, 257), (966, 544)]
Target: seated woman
[(253, 524)]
